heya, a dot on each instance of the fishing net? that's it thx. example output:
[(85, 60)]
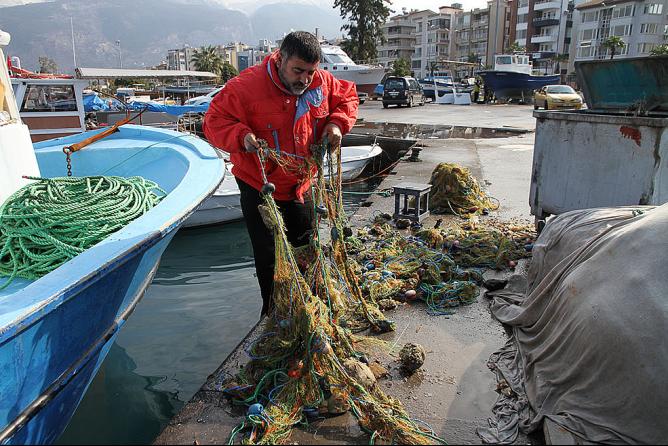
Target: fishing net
[(50, 221), (306, 364), (455, 191), (309, 362), (440, 266)]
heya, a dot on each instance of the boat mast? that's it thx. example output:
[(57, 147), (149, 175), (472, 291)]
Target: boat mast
[(74, 52)]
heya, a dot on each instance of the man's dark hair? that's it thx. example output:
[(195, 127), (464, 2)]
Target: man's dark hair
[(302, 44)]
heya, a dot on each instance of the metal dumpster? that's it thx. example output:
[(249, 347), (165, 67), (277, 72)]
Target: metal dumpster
[(616, 152)]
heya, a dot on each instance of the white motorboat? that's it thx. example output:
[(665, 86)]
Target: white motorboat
[(224, 205), (337, 62), (354, 159)]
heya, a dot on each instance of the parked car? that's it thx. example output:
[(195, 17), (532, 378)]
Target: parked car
[(204, 99), (402, 91), (362, 96), (556, 96)]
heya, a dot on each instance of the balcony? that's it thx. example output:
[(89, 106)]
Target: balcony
[(540, 6), (543, 39), (539, 22)]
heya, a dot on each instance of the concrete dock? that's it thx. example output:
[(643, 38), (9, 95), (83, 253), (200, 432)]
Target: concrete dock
[(454, 391)]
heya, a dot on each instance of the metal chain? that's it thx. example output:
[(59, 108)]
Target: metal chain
[(68, 160)]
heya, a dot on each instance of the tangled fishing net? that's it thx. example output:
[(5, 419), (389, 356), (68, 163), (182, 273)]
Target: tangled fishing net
[(441, 266), (308, 363), (50, 221), (455, 191)]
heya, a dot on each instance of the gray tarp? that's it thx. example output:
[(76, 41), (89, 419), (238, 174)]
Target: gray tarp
[(589, 348)]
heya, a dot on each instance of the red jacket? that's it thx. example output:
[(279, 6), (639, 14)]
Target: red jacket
[(257, 102)]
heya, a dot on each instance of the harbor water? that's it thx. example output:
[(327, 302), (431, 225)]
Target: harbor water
[(203, 300)]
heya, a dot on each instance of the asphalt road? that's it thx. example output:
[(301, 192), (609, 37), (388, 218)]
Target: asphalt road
[(474, 115)]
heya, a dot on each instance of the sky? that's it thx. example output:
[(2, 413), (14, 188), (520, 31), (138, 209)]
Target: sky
[(434, 5), (396, 4)]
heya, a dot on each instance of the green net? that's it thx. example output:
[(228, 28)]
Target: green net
[(455, 191)]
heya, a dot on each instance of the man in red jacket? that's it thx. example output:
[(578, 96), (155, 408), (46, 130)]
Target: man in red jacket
[(290, 103)]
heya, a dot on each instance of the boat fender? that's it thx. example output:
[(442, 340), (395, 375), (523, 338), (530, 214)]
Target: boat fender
[(335, 234), (284, 323), (347, 232), (255, 409), (268, 188)]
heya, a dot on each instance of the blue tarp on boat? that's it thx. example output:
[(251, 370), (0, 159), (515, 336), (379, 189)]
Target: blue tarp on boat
[(176, 110)]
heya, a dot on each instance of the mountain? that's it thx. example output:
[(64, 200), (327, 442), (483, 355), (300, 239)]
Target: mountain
[(146, 29)]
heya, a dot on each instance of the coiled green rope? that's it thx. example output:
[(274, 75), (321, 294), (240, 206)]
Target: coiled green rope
[(52, 220)]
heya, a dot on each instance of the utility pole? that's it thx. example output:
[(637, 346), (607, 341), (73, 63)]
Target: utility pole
[(120, 54)]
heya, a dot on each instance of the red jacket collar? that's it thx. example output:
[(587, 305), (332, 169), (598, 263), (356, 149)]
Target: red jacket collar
[(269, 64)]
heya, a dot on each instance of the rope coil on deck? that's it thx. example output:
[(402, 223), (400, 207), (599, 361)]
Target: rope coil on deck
[(52, 220)]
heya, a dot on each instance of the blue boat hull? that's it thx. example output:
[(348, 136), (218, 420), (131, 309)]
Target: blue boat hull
[(56, 331), (512, 85)]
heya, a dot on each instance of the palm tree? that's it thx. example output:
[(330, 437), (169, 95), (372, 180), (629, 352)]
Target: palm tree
[(208, 59), (613, 43), (558, 59)]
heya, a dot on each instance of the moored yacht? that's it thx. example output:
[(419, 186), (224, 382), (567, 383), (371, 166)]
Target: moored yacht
[(337, 62)]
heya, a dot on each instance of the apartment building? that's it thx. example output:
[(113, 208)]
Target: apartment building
[(248, 56), (399, 37), (436, 36), (471, 35), (431, 39), (641, 24), (180, 59)]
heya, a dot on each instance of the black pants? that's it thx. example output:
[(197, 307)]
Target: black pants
[(298, 222)]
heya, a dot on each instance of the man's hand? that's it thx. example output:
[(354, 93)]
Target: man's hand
[(250, 143), (333, 134)]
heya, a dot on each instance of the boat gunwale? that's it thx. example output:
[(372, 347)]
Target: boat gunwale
[(81, 272)]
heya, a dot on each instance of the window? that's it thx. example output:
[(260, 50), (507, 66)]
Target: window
[(653, 8), (49, 98), (521, 34), (623, 11), (560, 89), (587, 34), (649, 28), (522, 18), (645, 47), (622, 30), (590, 17), (503, 60), (584, 51), (416, 64)]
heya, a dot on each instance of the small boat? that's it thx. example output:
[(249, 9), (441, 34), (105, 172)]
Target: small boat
[(512, 77), (432, 84), (55, 331), (224, 205), (354, 159)]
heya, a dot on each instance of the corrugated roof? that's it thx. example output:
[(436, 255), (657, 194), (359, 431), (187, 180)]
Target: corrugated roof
[(102, 73)]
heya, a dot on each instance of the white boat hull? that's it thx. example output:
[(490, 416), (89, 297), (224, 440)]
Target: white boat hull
[(224, 206)]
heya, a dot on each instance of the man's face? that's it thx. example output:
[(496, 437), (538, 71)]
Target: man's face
[(296, 74)]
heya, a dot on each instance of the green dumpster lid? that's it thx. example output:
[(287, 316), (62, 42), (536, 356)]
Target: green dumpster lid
[(625, 85)]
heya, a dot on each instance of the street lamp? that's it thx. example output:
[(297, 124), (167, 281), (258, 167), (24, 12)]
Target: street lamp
[(120, 54)]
